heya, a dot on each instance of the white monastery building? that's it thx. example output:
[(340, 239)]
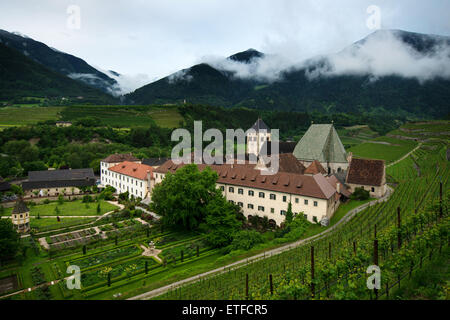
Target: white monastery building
[(315, 176)]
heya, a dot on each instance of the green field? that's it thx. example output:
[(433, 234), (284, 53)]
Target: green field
[(23, 115), (352, 136), (72, 208), (115, 116), (392, 150), (126, 116)]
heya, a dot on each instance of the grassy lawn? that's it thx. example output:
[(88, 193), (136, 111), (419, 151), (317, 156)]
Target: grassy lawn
[(72, 208), (53, 224), (26, 114)]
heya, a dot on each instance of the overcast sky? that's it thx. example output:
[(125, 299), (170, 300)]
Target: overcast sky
[(155, 38)]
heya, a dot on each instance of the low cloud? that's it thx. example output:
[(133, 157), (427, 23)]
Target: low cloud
[(381, 54), (268, 68), (181, 75), (384, 54), (127, 83)]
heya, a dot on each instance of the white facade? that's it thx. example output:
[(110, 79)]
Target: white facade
[(274, 204), (256, 139), (21, 221), (123, 183)]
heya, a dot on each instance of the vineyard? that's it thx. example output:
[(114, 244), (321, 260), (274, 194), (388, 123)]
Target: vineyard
[(397, 235)]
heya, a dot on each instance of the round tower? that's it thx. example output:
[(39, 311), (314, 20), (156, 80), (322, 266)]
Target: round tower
[(21, 216)]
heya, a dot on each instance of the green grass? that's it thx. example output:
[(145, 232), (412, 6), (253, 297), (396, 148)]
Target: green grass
[(72, 208), (126, 116), (395, 149), (24, 115), (53, 224)]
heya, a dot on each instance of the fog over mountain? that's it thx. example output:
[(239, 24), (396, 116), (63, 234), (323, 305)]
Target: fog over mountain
[(382, 53)]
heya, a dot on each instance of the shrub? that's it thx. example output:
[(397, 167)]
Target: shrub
[(360, 194), (87, 198), (46, 201), (246, 239)]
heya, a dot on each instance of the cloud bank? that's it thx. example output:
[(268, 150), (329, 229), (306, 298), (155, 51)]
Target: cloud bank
[(382, 53)]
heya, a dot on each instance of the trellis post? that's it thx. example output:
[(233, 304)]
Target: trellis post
[(375, 261), (312, 272), (246, 286), (399, 234)]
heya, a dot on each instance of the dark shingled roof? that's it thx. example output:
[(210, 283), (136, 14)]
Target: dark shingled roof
[(68, 174), (283, 147), (59, 179), (153, 162), (120, 158), (366, 172), (4, 186), (20, 207), (260, 125)]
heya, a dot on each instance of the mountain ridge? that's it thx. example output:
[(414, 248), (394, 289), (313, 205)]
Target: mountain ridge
[(314, 85)]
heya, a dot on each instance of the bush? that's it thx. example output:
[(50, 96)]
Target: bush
[(46, 201), (246, 239), (87, 198), (360, 194)]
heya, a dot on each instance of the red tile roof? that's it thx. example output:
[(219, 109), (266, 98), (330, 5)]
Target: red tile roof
[(133, 169), (366, 172), (314, 168), (245, 175)]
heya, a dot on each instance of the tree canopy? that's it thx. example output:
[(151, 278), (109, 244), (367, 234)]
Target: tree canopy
[(9, 240), (181, 199)]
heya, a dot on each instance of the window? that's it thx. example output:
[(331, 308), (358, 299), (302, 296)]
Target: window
[(261, 194), (260, 208), (296, 200), (231, 201), (272, 210), (315, 203), (273, 196), (222, 188), (284, 198), (241, 191), (240, 204), (251, 193), (373, 189), (20, 216), (250, 206), (231, 189), (283, 212), (315, 219), (306, 202), (305, 215)]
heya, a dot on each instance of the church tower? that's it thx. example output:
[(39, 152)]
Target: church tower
[(256, 138)]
